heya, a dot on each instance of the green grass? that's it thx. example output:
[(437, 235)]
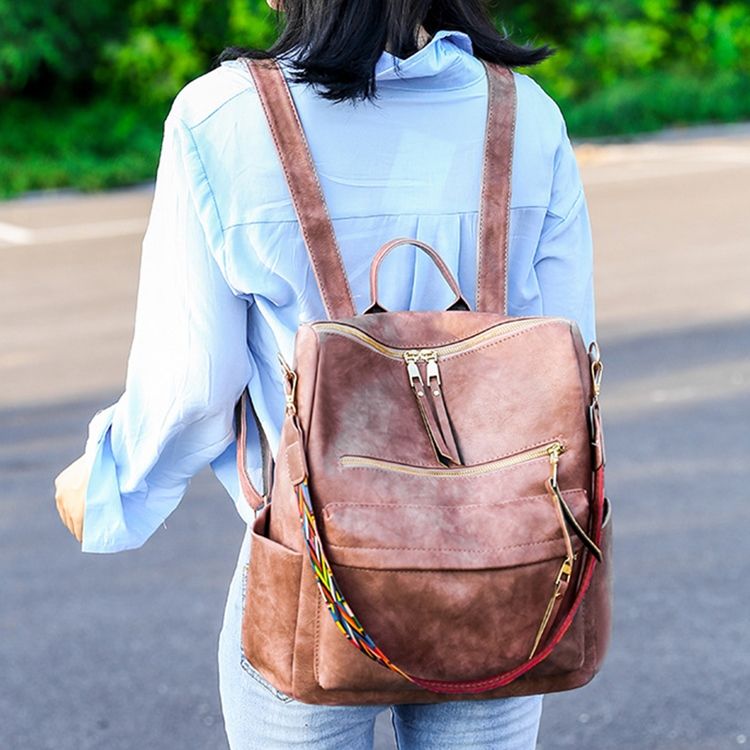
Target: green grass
[(91, 147), (106, 144), (659, 101)]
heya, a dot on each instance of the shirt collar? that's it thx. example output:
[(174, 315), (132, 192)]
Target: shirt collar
[(445, 49), (436, 62)]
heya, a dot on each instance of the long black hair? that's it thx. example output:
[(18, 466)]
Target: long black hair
[(334, 44)]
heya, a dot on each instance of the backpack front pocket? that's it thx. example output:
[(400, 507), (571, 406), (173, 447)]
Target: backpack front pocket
[(491, 580)]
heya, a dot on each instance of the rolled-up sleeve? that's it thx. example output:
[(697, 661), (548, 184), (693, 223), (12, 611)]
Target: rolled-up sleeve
[(564, 260), (188, 362)]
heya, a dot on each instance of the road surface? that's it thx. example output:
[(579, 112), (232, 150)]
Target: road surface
[(117, 652)]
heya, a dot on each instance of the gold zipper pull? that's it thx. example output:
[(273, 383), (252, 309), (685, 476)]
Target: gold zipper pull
[(561, 584), (563, 576), (554, 452), (449, 445), (433, 373), (553, 488), (415, 376), (290, 385), (443, 453)]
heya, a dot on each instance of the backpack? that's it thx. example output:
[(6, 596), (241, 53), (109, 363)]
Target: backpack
[(433, 526)]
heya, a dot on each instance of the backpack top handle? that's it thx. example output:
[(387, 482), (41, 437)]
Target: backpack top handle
[(459, 303)]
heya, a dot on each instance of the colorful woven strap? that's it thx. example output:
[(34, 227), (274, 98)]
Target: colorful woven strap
[(348, 623), (342, 613)]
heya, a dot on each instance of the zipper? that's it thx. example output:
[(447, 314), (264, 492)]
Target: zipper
[(435, 388), (566, 569), (552, 450), (428, 390), (431, 407), (443, 350), (412, 370)]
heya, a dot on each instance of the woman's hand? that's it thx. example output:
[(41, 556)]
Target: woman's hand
[(70, 494)]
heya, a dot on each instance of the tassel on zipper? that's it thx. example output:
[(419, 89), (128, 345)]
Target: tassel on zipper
[(434, 417), (561, 585), (566, 569), (442, 451), (435, 387)]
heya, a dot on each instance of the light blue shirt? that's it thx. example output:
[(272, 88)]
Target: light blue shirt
[(225, 279)]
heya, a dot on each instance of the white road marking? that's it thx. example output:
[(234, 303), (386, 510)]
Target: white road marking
[(99, 230), (11, 234)]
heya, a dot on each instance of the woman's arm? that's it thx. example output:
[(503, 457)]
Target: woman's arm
[(564, 258), (188, 364), (70, 494)]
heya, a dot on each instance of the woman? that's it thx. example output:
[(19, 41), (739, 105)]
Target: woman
[(396, 126)]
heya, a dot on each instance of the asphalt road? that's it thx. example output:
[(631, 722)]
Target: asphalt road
[(117, 652)]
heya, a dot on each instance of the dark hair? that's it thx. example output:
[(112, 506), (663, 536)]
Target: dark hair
[(336, 43)]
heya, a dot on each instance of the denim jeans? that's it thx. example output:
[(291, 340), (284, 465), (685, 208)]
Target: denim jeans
[(259, 717)]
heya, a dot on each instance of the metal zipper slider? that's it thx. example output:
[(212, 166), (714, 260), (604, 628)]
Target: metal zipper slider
[(554, 452), (445, 453), (415, 376), (553, 488), (561, 584), (563, 576), (449, 445), (433, 373)]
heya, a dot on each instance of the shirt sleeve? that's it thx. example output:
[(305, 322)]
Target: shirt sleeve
[(188, 363), (564, 258)]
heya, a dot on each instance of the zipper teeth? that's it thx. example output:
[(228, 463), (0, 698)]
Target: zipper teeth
[(444, 349), (424, 471)]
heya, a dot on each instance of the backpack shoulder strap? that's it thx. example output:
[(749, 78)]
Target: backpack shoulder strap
[(312, 214), (494, 209), (304, 186)]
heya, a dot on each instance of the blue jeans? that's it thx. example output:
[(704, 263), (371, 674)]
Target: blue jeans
[(259, 717)]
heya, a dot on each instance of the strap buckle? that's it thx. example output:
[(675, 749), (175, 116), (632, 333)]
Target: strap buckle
[(290, 386), (597, 368)]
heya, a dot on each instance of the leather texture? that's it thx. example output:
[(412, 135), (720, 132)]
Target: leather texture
[(255, 498), (494, 209), (307, 195), (454, 460)]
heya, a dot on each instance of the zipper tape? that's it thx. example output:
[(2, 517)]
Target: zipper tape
[(366, 462)]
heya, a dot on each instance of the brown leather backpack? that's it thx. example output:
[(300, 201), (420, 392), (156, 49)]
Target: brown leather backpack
[(436, 526)]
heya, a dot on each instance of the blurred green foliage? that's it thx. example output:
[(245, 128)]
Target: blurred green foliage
[(48, 43), (170, 42), (140, 49), (603, 43), (91, 147), (106, 72)]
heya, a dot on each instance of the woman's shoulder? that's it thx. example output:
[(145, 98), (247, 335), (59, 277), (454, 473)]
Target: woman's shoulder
[(207, 95), (536, 105), (541, 131)]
